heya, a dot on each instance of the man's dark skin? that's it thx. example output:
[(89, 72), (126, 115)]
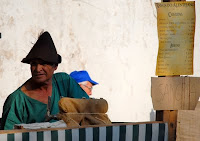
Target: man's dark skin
[(39, 87)]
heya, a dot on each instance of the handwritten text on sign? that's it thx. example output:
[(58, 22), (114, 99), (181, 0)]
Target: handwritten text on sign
[(176, 28)]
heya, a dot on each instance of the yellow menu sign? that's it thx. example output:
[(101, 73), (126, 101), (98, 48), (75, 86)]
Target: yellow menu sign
[(176, 28)]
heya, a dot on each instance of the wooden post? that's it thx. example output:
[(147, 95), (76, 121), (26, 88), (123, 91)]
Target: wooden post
[(169, 116)]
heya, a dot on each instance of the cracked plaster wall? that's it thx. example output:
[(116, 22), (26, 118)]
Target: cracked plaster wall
[(115, 41)]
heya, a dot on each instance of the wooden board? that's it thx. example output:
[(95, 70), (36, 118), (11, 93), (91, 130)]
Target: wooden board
[(172, 0), (175, 93), (93, 126), (188, 124)]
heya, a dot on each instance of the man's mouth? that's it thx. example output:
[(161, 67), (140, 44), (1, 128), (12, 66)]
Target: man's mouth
[(38, 75)]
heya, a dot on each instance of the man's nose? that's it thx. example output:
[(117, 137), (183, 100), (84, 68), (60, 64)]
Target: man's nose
[(90, 92), (38, 67)]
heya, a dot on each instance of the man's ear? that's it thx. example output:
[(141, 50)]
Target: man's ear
[(56, 67)]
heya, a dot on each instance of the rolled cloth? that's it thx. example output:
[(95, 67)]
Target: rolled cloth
[(78, 112)]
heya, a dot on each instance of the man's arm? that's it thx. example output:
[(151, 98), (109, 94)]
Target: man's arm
[(11, 115)]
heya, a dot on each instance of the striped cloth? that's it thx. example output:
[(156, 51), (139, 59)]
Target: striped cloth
[(140, 132)]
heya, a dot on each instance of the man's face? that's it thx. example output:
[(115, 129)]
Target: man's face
[(41, 71), (87, 88)]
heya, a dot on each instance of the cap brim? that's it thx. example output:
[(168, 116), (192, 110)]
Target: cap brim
[(93, 82)]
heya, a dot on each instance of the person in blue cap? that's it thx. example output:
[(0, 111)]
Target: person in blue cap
[(84, 80)]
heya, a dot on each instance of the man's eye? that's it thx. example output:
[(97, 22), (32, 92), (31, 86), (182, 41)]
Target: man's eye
[(33, 64)]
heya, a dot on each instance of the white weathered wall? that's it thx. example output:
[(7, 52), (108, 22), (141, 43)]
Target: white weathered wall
[(114, 40)]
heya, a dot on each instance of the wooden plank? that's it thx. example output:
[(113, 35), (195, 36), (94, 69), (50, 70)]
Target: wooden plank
[(193, 92), (169, 116), (48, 129), (175, 93), (172, 0), (188, 124)]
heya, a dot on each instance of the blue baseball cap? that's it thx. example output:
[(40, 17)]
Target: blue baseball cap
[(81, 76)]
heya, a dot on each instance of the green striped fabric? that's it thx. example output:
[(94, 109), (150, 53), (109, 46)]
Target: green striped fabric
[(140, 132)]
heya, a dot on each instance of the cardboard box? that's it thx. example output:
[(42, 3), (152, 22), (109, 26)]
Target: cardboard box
[(175, 93)]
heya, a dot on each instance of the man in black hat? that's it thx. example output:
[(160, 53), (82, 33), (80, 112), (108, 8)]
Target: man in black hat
[(28, 104)]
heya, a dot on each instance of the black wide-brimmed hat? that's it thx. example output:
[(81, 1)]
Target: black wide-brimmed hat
[(43, 49)]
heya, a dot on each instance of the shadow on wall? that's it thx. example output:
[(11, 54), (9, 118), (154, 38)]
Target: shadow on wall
[(152, 115)]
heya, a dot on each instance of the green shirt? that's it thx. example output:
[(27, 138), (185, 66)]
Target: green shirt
[(20, 108)]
